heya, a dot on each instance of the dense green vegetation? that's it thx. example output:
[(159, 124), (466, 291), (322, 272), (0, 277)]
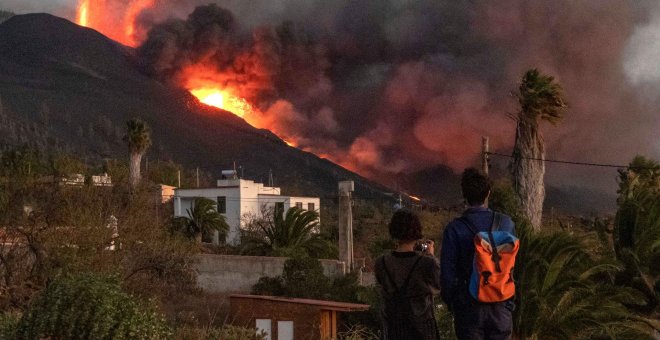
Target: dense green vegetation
[(89, 307)]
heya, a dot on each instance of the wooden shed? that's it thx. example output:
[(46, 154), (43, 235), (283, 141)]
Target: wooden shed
[(290, 318)]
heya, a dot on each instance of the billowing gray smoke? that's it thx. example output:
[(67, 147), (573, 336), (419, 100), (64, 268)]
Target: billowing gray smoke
[(390, 86)]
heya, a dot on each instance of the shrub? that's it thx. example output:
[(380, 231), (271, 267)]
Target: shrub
[(227, 332), (381, 245), (269, 286), (8, 325), (303, 277), (89, 306), (445, 322)]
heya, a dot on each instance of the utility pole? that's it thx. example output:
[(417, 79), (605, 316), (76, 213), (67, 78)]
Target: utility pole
[(484, 155), (178, 177), (484, 159), (197, 174), (346, 224)]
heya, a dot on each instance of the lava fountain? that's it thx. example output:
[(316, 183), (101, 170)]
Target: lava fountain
[(115, 19)]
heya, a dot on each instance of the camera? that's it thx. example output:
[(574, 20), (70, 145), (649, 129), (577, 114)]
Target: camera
[(422, 246)]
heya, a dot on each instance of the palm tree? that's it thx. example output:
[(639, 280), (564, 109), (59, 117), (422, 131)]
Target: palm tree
[(138, 138), (562, 293), (203, 218), (290, 234), (540, 98), (636, 233)]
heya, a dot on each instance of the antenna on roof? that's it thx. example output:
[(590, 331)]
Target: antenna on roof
[(271, 182)]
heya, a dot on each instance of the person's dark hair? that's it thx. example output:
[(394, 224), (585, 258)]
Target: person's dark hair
[(405, 226), (475, 186)]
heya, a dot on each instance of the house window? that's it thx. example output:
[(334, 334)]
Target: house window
[(279, 206), (265, 326), (285, 330), (310, 207), (299, 205), (222, 204)]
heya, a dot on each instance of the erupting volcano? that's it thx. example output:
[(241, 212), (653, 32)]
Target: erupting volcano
[(386, 88), (119, 21)]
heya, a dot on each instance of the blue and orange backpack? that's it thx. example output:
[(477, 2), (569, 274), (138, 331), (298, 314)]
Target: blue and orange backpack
[(494, 260)]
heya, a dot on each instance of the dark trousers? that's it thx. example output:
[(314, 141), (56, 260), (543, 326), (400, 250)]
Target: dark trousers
[(477, 321)]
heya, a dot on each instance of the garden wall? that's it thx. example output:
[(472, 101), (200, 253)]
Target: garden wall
[(237, 274)]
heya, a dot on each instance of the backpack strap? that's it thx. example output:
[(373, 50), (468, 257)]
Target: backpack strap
[(469, 224), (497, 220), (404, 287), (494, 226)]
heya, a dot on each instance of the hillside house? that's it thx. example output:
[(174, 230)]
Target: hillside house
[(239, 200)]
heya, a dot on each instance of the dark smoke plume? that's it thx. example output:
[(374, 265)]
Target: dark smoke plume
[(391, 86)]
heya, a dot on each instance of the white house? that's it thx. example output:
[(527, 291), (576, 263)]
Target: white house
[(240, 198)]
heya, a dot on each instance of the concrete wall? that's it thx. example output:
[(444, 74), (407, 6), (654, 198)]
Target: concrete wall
[(237, 274)]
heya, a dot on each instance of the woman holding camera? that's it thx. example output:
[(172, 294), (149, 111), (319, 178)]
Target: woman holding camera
[(408, 278)]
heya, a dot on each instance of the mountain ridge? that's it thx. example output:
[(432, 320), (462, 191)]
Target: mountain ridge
[(70, 88)]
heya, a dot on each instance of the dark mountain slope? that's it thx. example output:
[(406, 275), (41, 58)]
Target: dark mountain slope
[(65, 87)]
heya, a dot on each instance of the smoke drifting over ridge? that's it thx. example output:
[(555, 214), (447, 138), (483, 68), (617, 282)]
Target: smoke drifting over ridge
[(383, 86), (388, 86)]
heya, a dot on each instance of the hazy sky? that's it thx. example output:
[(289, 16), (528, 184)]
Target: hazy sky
[(58, 7)]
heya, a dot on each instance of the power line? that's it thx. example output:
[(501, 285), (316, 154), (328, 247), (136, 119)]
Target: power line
[(572, 162)]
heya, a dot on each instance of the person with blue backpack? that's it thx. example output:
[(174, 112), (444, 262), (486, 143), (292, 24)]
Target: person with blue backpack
[(476, 261)]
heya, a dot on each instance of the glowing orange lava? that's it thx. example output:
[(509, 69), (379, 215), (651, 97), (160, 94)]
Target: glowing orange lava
[(82, 16), (223, 99), (205, 83), (209, 96), (115, 19)]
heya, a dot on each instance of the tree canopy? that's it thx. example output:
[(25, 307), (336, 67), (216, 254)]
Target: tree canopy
[(138, 135), (293, 233)]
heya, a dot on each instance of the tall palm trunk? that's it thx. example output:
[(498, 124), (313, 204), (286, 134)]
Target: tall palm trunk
[(529, 169), (134, 168)]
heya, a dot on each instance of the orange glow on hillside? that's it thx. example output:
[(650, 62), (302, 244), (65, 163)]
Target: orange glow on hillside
[(82, 16), (115, 19), (209, 96), (223, 99), (207, 85)]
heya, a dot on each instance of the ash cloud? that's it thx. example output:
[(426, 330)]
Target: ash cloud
[(397, 86)]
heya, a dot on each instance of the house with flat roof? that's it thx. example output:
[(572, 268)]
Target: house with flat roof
[(239, 200)]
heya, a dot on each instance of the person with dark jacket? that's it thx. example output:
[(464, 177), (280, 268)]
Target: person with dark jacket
[(472, 319), (408, 278)]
